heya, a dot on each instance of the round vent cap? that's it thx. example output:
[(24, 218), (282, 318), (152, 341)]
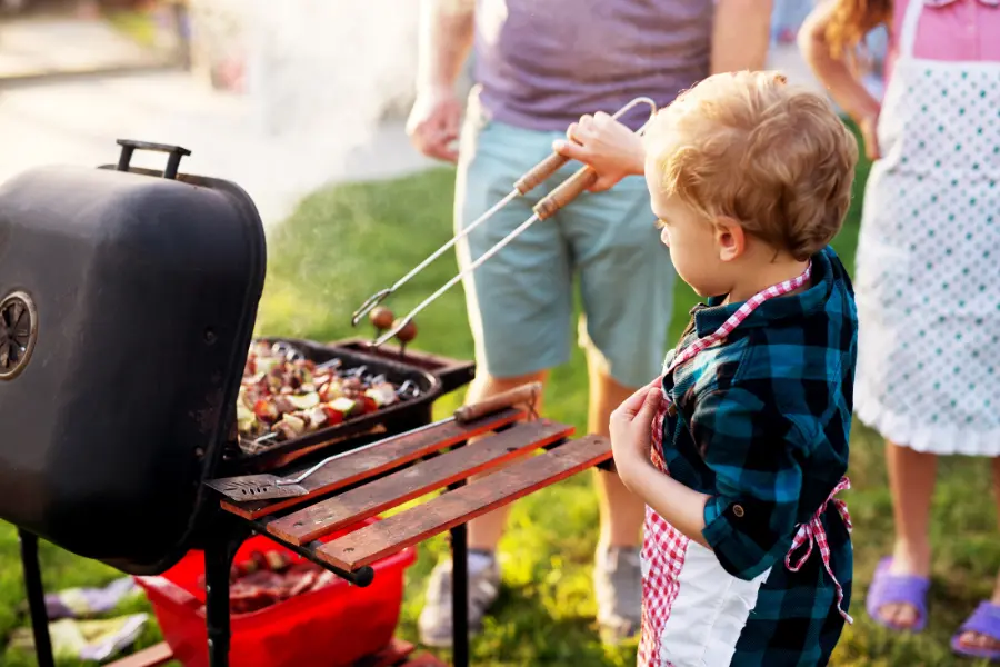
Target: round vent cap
[(18, 331)]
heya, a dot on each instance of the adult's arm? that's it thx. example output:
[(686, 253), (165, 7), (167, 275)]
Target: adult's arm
[(445, 37), (741, 35), (834, 73)]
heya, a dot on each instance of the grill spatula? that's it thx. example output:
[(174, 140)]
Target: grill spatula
[(245, 488)]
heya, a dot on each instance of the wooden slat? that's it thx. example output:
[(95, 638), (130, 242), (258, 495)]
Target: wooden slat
[(154, 656), (357, 466), (368, 500), (382, 538)]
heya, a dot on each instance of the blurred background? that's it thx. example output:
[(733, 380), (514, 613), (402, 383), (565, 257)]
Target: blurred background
[(282, 79)]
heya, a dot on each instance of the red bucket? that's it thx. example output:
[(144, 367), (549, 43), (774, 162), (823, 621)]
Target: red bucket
[(332, 626)]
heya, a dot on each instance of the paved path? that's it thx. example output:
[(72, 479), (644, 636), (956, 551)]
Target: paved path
[(29, 46)]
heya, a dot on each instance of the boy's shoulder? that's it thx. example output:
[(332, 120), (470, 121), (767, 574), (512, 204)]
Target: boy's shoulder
[(792, 351)]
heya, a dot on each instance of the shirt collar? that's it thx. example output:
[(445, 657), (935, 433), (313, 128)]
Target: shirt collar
[(945, 3), (708, 318)]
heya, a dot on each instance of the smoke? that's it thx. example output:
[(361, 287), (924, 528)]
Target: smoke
[(320, 78)]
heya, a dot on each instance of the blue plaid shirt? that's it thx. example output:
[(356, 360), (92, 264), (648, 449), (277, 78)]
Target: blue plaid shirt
[(760, 423)]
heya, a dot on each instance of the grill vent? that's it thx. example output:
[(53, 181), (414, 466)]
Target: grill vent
[(18, 330)]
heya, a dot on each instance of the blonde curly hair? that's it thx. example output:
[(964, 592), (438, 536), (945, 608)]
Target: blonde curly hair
[(751, 147)]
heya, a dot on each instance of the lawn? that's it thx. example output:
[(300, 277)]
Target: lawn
[(344, 243)]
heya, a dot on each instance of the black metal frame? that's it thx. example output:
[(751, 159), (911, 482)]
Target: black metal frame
[(227, 534), (220, 549), (36, 598)]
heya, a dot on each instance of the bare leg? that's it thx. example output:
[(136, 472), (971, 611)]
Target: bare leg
[(617, 569), (485, 531), (912, 475), (622, 512), (974, 639)]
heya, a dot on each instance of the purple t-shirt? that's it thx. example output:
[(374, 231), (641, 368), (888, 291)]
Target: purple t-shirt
[(541, 64)]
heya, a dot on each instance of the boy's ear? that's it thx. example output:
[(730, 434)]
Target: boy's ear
[(730, 239)]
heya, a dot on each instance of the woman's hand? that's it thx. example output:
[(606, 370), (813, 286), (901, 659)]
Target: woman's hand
[(631, 429), (607, 146), (869, 134)]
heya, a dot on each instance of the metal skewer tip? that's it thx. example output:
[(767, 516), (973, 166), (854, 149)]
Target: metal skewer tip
[(369, 304), (533, 178)]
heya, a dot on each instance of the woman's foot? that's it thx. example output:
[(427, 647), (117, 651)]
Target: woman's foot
[(980, 636), (898, 595)]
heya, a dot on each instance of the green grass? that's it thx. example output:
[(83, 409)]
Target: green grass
[(344, 243)]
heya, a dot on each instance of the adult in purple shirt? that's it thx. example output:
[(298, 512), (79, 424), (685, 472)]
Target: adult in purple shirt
[(539, 66)]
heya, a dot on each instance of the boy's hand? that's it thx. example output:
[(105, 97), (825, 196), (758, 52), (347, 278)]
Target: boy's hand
[(607, 146), (631, 429)]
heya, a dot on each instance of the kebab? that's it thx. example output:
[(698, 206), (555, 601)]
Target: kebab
[(283, 395), (566, 192)]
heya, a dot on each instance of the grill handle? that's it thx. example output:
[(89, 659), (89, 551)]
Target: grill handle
[(129, 146), (524, 395)]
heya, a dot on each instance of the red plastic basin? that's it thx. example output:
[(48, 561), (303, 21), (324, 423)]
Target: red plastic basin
[(329, 627)]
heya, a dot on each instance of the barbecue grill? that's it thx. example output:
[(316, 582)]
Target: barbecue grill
[(127, 302)]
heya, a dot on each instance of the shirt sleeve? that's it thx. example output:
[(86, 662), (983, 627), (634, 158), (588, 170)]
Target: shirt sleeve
[(757, 455)]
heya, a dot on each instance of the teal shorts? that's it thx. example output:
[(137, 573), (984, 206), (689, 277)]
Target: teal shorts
[(520, 300)]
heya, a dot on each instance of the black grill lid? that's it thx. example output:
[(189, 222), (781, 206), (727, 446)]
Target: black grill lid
[(127, 301)]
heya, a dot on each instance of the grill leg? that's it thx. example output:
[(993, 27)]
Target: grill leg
[(459, 591), (36, 598), (218, 560)]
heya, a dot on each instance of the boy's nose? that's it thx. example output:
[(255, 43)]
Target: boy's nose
[(665, 237)]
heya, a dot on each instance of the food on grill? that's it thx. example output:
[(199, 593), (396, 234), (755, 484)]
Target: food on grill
[(381, 317), (269, 578), (283, 395), (407, 333)]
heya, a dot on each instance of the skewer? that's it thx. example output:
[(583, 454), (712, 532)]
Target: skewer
[(566, 192), (528, 182)]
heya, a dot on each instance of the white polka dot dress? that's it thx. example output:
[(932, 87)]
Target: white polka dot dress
[(928, 267)]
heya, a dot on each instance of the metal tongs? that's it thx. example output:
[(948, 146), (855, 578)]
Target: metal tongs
[(566, 192)]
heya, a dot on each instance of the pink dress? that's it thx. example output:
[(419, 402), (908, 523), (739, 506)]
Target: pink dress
[(926, 275), (950, 30)]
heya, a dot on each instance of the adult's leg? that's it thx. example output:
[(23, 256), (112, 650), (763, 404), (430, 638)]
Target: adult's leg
[(971, 638), (626, 281), (519, 304), (912, 475), (485, 531), (621, 511)]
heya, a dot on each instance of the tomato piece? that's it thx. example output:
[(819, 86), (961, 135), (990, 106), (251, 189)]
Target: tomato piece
[(333, 416), (265, 410), (368, 404)]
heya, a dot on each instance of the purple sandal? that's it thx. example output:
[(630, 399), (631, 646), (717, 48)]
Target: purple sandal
[(897, 589), (985, 621)]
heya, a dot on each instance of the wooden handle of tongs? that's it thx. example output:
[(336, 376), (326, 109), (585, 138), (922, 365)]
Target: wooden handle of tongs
[(541, 171), (567, 191), (525, 394)]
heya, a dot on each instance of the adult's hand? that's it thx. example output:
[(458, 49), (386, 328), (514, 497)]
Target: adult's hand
[(868, 125), (434, 123), (607, 146)]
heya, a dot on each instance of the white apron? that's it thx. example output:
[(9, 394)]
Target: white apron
[(928, 263)]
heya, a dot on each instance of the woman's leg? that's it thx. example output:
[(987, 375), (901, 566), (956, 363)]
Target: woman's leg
[(912, 475), (974, 639)]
